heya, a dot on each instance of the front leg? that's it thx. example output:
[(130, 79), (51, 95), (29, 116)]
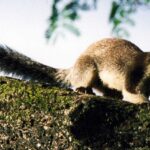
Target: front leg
[(85, 90)]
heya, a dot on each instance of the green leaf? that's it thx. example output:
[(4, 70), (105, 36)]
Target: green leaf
[(71, 5), (123, 13), (114, 9), (50, 31), (71, 15), (117, 21), (71, 28)]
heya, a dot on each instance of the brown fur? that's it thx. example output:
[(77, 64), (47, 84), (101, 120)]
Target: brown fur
[(114, 64)]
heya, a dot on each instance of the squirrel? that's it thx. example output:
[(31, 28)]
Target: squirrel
[(110, 65)]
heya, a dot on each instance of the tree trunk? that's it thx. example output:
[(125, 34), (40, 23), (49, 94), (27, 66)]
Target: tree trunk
[(36, 116)]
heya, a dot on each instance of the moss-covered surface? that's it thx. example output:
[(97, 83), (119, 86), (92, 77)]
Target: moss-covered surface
[(35, 116)]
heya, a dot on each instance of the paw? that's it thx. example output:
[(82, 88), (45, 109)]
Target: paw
[(84, 90)]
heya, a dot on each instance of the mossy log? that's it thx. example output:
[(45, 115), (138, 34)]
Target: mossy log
[(37, 116)]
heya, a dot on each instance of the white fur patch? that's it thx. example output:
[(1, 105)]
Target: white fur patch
[(112, 79)]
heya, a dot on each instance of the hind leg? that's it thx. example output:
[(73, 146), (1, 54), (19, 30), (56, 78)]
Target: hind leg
[(83, 74), (136, 88)]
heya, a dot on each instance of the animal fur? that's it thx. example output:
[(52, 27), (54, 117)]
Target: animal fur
[(110, 66)]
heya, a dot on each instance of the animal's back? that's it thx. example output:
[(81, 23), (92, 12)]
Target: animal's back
[(113, 51)]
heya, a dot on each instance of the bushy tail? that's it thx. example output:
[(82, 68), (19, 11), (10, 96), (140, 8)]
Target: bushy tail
[(63, 77), (12, 62)]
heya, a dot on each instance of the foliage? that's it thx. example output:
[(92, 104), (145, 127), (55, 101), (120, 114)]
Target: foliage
[(121, 12), (65, 14)]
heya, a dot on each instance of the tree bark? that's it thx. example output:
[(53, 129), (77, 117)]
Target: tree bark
[(37, 116)]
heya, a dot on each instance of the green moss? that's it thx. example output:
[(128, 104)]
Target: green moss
[(30, 107), (36, 116)]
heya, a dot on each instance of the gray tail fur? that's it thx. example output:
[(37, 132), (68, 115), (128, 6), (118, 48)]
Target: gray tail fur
[(17, 64)]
